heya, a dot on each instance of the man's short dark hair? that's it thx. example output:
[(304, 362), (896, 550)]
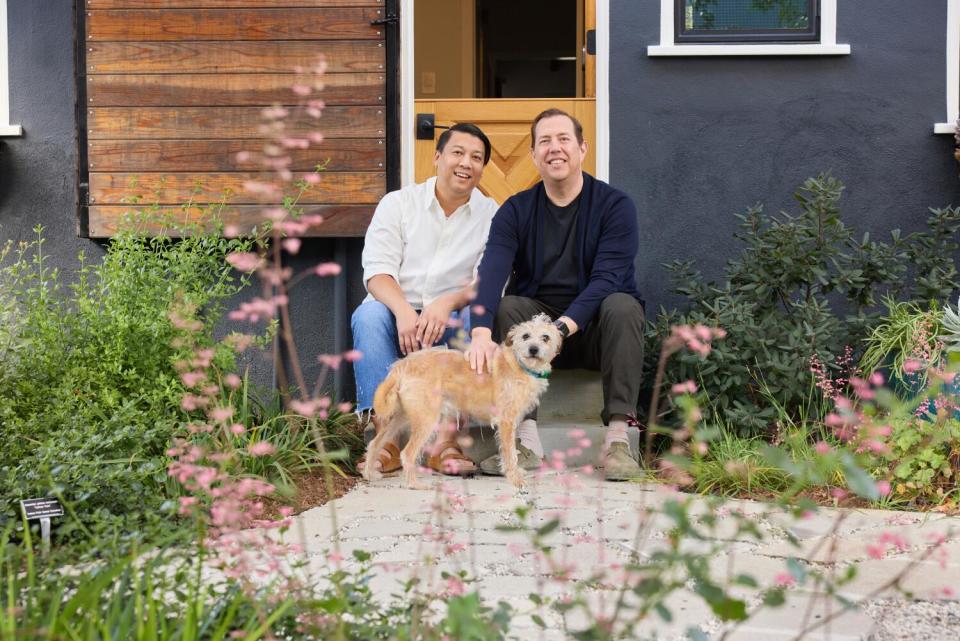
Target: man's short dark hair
[(466, 128), (550, 113)]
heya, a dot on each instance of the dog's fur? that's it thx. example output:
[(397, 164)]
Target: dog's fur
[(427, 384)]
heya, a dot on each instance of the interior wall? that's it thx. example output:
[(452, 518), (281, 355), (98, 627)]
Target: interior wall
[(443, 30)]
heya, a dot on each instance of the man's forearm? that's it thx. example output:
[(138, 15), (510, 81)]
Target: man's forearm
[(386, 289)]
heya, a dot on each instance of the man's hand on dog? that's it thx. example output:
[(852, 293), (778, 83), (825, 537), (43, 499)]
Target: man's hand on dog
[(481, 350)]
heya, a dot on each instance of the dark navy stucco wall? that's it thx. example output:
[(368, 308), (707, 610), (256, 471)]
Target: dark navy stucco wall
[(696, 139), (38, 174)]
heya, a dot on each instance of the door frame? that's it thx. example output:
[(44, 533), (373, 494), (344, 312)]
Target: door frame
[(600, 146)]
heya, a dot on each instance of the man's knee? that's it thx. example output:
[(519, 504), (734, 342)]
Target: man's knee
[(371, 316), (621, 307), (510, 311)]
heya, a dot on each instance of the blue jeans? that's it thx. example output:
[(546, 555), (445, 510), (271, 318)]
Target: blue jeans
[(375, 335)]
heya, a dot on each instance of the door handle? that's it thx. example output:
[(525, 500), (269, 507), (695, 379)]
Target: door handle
[(426, 127), (391, 19)]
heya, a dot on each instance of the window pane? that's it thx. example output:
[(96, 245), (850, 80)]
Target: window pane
[(706, 16)]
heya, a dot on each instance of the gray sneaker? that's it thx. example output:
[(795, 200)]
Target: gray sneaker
[(526, 459), (619, 464)]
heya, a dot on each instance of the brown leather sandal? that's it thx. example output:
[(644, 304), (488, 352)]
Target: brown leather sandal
[(450, 460), (389, 459)]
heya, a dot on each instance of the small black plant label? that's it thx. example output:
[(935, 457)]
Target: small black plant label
[(41, 508)]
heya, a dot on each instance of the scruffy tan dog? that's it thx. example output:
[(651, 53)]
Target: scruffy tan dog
[(427, 384)]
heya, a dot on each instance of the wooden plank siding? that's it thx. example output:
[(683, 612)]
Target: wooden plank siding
[(175, 90)]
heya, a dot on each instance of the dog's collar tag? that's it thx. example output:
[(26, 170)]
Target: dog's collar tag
[(533, 373)]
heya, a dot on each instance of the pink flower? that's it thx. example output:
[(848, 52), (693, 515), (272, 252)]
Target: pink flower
[(876, 379), (237, 429), (822, 448), (876, 550), (245, 261), (192, 379), (292, 245), (911, 365), (232, 381), (261, 448), (784, 580), (312, 179), (883, 487), (352, 356), (686, 387), (301, 90), (221, 414), (455, 586), (327, 269)]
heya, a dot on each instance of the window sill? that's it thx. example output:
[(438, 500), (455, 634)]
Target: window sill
[(11, 130), (945, 128), (749, 50)]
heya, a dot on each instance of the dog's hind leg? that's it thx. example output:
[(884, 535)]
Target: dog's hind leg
[(385, 435), (424, 415), (507, 429)]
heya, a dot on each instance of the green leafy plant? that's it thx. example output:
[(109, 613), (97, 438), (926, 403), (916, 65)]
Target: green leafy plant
[(908, 332), (804, 285), (89, 395)]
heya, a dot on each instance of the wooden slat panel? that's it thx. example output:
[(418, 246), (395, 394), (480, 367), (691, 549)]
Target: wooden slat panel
[(228, 89), (179, 188), (221, 155), (204, 123), (211, 4), (232, 24), (232, 57), (339, 220)]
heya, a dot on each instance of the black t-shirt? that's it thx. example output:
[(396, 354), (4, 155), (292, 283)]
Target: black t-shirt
[(560, 281)]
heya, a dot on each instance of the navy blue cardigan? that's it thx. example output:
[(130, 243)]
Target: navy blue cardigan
[(608, 237)]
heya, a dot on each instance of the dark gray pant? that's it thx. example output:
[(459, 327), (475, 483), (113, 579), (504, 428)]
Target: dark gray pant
[(612, 343)]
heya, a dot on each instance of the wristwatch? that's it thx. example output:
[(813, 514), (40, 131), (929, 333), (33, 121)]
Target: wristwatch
[(560, 325)]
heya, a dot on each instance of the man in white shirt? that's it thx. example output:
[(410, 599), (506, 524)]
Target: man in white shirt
[(420, 256)]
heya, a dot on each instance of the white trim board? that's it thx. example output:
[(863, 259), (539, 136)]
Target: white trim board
[(953, 70), (6, 129), (601, 147), (826, 47)]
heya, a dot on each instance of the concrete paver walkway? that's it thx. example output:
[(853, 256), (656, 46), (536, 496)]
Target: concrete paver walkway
[(455, 527)]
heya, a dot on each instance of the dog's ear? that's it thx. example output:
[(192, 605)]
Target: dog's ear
[(509, 340)]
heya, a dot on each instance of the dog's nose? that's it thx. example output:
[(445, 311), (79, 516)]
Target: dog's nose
[(534, 350)]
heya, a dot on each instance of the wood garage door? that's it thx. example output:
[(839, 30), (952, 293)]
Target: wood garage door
[(175, 88)]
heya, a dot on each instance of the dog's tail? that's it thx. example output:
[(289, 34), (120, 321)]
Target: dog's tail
[(386, 400)]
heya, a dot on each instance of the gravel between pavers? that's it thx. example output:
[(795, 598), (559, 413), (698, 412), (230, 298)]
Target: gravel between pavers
[(902, 620)]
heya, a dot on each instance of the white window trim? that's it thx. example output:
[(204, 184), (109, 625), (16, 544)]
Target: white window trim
[(953, 70), (6, 129), (826, 47)]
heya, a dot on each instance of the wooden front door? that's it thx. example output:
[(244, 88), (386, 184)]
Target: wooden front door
[(507, 124), (506, 121)]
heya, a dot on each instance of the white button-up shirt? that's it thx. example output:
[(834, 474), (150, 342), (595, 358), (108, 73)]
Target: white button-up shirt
[(428, 253)]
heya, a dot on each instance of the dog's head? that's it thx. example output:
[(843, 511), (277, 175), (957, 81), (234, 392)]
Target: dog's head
[(535, 343)]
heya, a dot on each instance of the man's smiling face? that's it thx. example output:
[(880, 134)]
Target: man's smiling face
[(557, 153), (460, 164)]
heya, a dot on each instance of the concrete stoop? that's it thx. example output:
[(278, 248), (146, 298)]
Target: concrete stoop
[(572, 401)]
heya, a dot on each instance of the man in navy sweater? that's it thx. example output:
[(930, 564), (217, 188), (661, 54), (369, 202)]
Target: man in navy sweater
[(567, 246)]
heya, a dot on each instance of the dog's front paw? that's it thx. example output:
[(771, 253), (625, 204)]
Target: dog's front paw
[(516, 477)]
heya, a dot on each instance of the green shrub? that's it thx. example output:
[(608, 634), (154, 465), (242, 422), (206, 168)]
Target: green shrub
[(803, 285), (89, 397)]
